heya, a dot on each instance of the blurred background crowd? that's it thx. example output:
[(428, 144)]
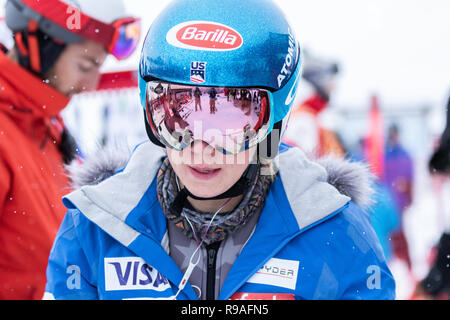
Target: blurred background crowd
[(375, 88)]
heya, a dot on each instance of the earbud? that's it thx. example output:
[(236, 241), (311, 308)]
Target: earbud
[(193, 264)]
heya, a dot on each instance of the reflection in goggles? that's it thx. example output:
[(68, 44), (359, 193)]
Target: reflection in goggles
[(229, 119), (127, 39)]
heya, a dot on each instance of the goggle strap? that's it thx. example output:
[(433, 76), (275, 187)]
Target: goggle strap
[(18, 37), (273, 136), (262, 115), (89, 28), (33, 46), (150, 133)]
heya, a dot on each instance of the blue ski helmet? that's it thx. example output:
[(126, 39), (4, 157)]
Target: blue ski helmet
[(242, 44)]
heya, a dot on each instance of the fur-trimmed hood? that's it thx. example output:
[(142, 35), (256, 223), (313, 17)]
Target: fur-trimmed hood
[(352, 179)]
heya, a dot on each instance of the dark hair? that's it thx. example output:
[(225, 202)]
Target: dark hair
[(440, 160), (49, 51)]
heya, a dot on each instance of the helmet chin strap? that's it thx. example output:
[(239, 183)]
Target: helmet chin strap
[(235, 190)]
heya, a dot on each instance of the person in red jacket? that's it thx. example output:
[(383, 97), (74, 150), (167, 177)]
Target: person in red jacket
[(305, 129), (58, 52)]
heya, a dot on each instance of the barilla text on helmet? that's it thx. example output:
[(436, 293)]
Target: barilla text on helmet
[(204, 35)]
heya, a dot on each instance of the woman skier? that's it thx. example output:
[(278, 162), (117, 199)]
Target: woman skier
[(218, 209)]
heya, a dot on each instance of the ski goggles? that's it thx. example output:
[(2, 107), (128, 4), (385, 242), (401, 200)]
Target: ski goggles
[(127, 33), (229, 119)]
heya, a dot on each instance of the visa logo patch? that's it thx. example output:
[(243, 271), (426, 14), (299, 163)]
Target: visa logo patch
[(132, 273), (277, 272)]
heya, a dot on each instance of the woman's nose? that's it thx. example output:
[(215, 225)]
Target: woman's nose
[(91, 82), (201, 152), (201, 147)]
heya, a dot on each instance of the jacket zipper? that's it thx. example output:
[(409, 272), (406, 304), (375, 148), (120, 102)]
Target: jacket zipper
[(211, 251)]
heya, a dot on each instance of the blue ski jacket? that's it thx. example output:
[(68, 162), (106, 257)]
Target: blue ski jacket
[(311, 241)]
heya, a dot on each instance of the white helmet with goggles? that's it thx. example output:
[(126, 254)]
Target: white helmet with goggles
[(71, 21)]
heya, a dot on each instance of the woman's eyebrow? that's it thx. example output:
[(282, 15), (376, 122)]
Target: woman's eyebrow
[(93, 60)]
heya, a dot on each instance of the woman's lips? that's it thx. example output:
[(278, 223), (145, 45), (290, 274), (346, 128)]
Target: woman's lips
[(204, 173)]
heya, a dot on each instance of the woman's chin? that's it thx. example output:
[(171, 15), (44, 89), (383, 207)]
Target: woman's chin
[(205, 190), (205, 194)]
